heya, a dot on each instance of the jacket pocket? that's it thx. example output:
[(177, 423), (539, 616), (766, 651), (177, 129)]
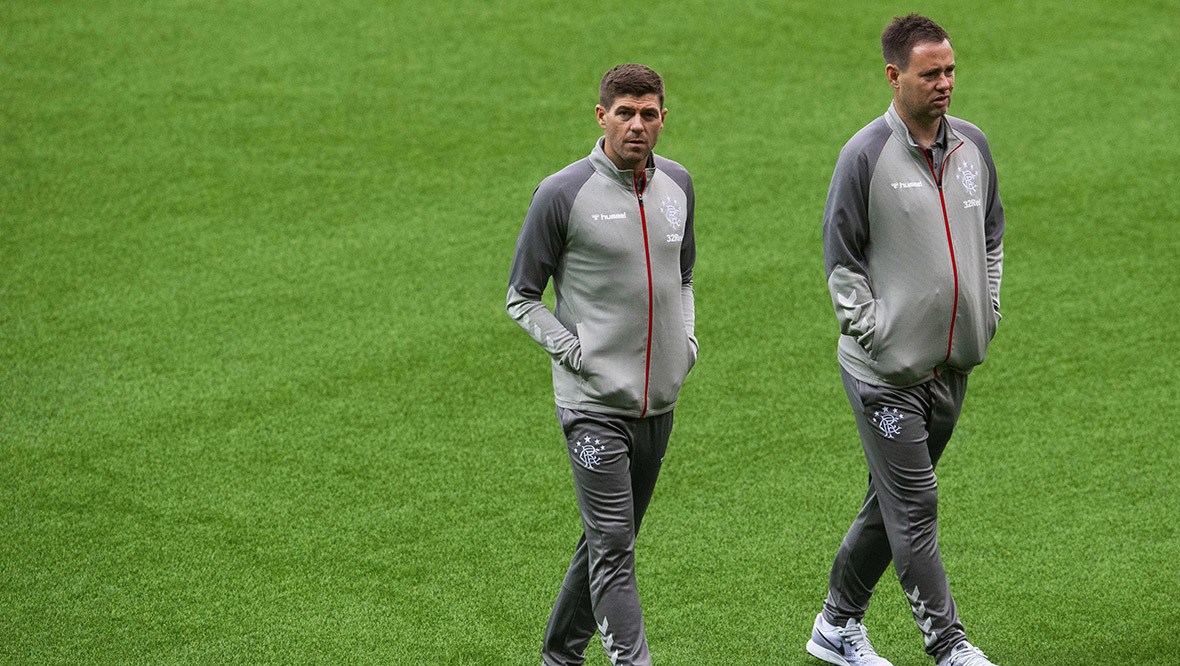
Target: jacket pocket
[(874, 336), (572, 359), (604, 371), (907, 343)]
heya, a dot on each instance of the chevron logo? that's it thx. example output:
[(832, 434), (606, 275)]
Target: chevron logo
[(924, 623), (608, 642)]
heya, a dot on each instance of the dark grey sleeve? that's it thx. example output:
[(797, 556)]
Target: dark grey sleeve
[(846, 233), (538, 254), (688, 258), (846, 211), (541, 241)]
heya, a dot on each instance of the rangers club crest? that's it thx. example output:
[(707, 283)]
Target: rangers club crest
[(588, 453), (888, 421), (672, 212), (968, 175)]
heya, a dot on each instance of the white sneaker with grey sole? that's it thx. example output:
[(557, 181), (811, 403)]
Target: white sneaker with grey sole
[(844, 646), (966, 654)]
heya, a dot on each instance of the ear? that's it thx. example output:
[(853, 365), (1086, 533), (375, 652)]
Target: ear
[(663, 117), (891, 74), (600, 113)]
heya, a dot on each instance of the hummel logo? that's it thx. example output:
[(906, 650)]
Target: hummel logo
[(924, 623), (608, 216), (848, 301), (608, 641), (903, 186)]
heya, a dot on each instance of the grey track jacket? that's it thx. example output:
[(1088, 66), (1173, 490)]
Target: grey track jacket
[(620, 253), (913, 251)]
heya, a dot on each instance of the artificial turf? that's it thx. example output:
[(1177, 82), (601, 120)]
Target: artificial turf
[(260, 401)]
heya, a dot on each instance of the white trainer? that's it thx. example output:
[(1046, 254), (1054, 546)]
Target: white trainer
[(844, 646), (966, 654)]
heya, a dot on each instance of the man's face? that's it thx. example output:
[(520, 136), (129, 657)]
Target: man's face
[(631, 127), (923, 90)]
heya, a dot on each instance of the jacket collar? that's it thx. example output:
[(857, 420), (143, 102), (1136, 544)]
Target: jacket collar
[(626, 178), (946, 139)]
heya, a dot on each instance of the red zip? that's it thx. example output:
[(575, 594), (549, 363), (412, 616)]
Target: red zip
[(946, 220), (640, 186)]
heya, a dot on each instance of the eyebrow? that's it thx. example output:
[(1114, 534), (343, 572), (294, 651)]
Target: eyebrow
[(636, 109), (935, 70)]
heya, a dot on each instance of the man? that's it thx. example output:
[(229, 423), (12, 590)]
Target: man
[(912, 234), (615, 233)]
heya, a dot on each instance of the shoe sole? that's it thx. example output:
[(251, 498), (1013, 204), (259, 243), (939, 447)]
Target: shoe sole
[(824, 654)]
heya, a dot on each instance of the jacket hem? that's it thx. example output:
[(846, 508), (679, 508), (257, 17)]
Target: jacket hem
[(629, 412), (867, 376)]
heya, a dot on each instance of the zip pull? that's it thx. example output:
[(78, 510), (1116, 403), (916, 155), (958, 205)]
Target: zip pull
[(929, 155)]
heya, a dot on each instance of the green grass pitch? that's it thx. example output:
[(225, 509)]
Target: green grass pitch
[(260, 402)]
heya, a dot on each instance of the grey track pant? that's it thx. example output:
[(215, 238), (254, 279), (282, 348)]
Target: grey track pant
[(615, 462), (903, 433)]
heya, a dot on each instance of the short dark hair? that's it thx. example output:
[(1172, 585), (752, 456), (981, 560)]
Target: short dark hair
[(630, 79), (904, 33)]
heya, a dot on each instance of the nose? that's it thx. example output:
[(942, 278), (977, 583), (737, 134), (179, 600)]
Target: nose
[(636, 124)]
